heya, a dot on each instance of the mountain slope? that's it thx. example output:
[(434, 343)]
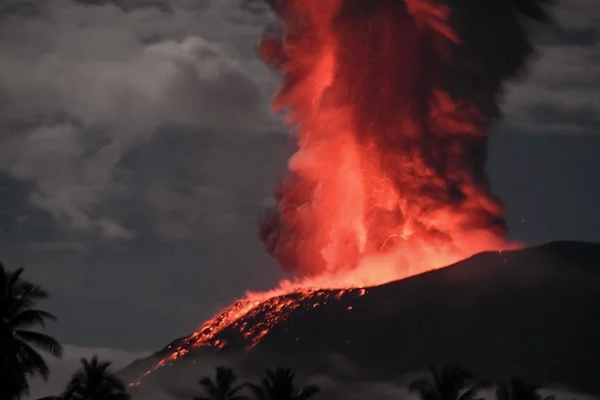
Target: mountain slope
[(532, 312)]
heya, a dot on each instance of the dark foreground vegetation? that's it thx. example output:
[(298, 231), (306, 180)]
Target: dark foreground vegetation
[(21, 345)]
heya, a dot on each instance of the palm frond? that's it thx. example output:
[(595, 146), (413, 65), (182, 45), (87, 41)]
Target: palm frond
[(41, 341), (445, 383), (95, 380), (30, 290), (33, 361), (30, 317), (75, 385), (420, 385), (14, 382), (3, 281), (257, 391), (206, 382), (14, 276), (234, 390), (471, 392), (502, 392), (94, 365), (20, 358), (308, 391), (223, 386)]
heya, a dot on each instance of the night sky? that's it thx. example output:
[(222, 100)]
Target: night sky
[(137, 153)]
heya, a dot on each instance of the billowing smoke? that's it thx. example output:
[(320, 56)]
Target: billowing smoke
[(391, 102)]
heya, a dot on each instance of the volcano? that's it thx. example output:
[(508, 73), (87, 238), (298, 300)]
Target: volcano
[(391, 105), (531, 312)]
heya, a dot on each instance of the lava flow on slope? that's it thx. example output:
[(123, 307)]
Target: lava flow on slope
[(391, 103), (269, 308)]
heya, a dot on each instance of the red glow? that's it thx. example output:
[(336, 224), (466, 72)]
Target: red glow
[(389, 177)]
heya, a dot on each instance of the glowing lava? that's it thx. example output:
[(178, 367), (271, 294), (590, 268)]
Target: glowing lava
[(391, 101), (389, 177), (268, 308)]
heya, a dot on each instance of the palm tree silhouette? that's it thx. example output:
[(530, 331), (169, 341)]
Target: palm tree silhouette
[(518, 389), (19, 358), (223, 387), (95, 381), (446, 383), (278, 384)]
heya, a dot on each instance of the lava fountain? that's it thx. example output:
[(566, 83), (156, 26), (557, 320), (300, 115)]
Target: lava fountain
[(391, 102)]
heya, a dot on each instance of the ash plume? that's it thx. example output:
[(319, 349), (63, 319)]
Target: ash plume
[(391, 102)]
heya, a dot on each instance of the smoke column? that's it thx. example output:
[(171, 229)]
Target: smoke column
[(391, 102)]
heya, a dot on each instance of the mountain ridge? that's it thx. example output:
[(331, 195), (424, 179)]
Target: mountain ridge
[(504, 303)]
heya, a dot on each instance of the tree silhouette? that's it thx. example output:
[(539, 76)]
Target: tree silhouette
[(446, 383), (223, 387), (95, 381), (278, 384), (518, 389), (19, 359)]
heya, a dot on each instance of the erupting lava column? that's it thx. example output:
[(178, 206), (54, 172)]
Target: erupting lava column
[(392, 102)]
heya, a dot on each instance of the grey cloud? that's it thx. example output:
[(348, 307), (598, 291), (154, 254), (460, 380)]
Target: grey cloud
[(565, 78), (553, 114), (180, 212), (56, 246), (555, 35), (208, 183), (82, 86), (578, 14)]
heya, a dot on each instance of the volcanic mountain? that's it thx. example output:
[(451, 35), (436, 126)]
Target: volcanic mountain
[(531, 312)]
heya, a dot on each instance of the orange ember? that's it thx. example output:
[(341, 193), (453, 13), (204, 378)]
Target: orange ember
[(388, 179)]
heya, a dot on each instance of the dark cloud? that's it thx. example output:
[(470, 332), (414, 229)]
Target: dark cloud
[(82, 88), (553, 114), (564, 78), (210, 182), (555, 35)]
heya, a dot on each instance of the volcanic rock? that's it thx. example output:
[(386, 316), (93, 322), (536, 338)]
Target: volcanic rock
[(531, 312)]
